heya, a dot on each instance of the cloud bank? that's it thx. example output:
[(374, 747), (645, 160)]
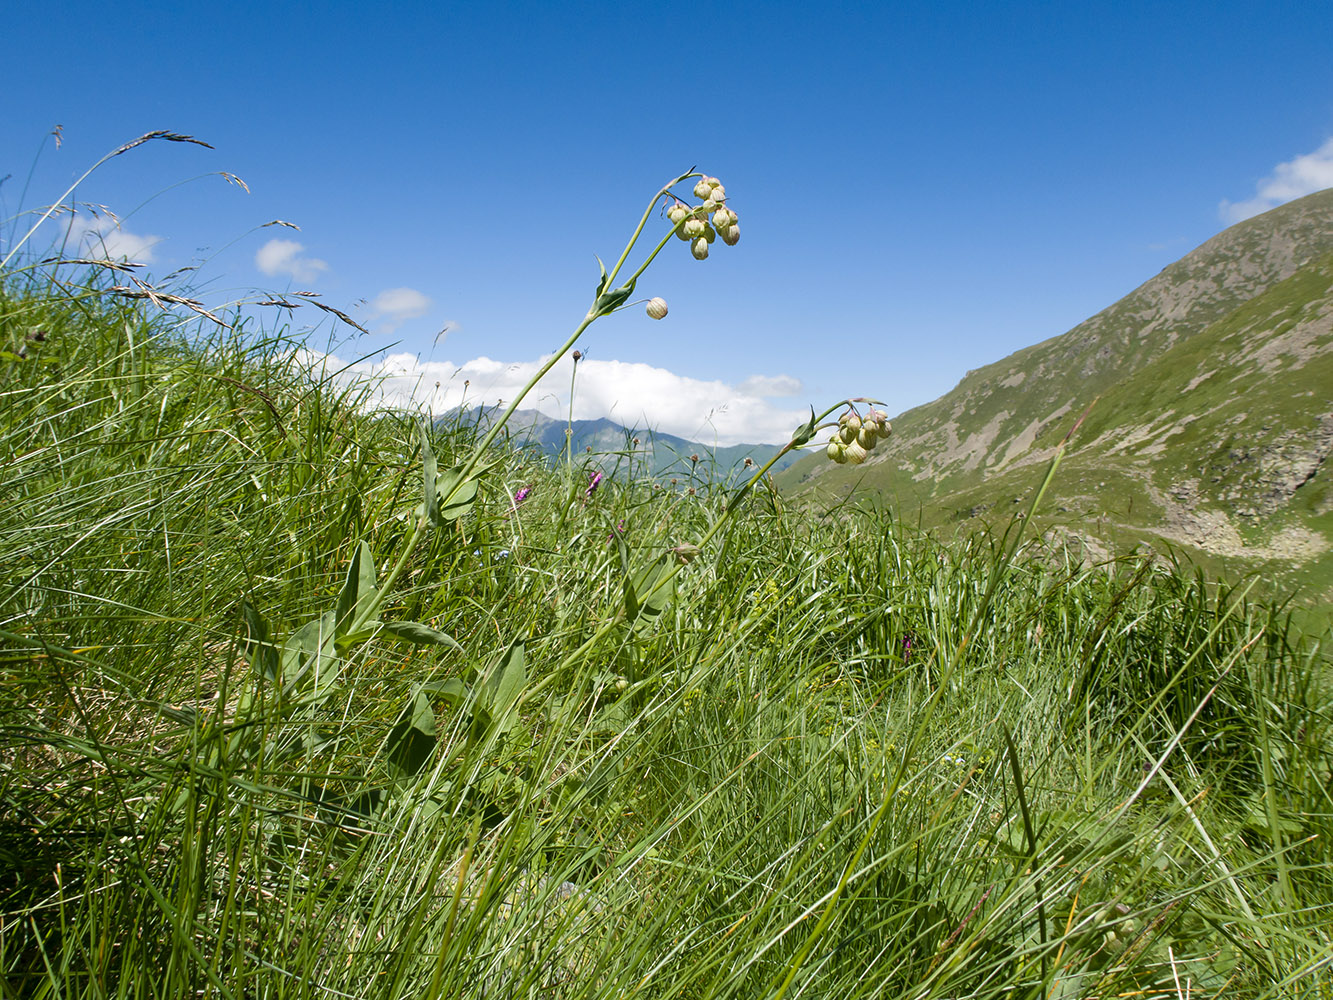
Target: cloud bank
[(634, 394), (1290, 180), (279, 256)]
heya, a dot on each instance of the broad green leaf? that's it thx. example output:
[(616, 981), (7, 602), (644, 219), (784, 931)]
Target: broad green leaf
[(650, 602), (610, 301), (358, 588), (453, 691), (310, 654), (415, 632), (805, 432), (631, 596), (411, 741), (504, 685), (429, 495), (455, 496), (263, 654)]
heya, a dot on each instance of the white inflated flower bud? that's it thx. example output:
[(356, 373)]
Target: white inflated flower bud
[(731, 235), (855, 453), (699, 248), (677, 212), (722, 219), (835, 450), (703, 188), (694, 228), (656, 308), (719, 192), (710, 233), (850, 420), (867, 436), (710, 205)]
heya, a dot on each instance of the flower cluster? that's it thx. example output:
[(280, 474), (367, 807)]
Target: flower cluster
[(701, 225), (857, 436)]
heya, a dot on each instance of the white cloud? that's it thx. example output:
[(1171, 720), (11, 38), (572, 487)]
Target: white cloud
[(770, 385), (284, 257), (393, 306), (637, 395), (1289, 181), (104, 237)]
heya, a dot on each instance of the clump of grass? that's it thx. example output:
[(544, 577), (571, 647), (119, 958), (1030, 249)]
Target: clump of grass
[(621, 742)]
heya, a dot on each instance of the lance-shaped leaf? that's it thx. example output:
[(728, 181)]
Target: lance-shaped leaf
[(413, 632), (359, 590), (805, 432), (430, 497), (610, 301), (418, 634), (411, 742), (655, 586), (258, 646), (631, 595), (456, 495), (310, 654), (503, 686), (601, 283)]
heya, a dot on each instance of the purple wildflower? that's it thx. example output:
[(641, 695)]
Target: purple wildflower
[(522, 494), (592, 486)]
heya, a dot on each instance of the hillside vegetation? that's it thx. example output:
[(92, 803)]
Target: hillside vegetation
[(1211, 422), (286, 710)]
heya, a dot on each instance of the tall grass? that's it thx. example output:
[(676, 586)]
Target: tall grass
[(1121, 786)]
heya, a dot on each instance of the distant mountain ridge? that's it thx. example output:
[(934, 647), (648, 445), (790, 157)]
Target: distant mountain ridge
[(1213, 419), (621, 450)]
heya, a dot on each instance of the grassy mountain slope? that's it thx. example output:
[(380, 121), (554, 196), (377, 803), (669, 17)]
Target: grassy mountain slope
[(1212, 423), (616, 448)]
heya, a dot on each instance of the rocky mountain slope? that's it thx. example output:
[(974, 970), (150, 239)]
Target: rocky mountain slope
[(1211, 427)]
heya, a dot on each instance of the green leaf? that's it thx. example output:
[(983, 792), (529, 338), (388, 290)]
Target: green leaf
[(456, 495), (263, 654), (411, 741), (415, 632), (429, 495), (631, 596), (804, 433), (453, 691), (504, 685), (610, 301), (359, 589), (601, 284), (309, 652), (652, 603)]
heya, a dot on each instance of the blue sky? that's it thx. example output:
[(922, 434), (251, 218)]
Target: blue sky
[(923, 188)]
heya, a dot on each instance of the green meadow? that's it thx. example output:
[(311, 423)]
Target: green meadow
[(300, 698)]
